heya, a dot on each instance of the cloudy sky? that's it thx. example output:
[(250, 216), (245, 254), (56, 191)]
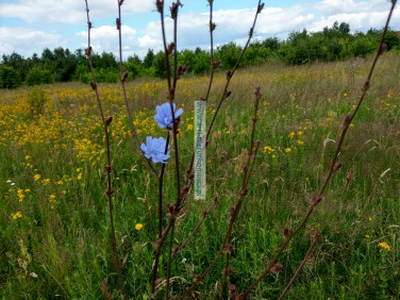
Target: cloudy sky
[(30, 26)]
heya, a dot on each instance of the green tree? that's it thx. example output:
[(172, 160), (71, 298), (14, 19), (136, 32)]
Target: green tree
[(8, 77), (38, 75)]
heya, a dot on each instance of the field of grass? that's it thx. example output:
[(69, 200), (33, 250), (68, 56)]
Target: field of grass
[(54, 226)]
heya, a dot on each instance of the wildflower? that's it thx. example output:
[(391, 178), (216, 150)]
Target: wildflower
[(300, 142), (16, 215), (287, 150), (138, 226), (291, 135), (27, 157), (46, 181), (154, 149), (21, 195), (384, 245), (369, 219), (52, 198), (79, 177), (189, 127), (36, 177), (367, 236), (164, 116)]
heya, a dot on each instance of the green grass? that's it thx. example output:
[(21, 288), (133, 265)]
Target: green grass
[(67, 243)]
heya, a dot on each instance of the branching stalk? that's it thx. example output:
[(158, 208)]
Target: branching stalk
[(124, 76), (315, 200), (301, 266), (226, 247), (203, 217), (108, 192)]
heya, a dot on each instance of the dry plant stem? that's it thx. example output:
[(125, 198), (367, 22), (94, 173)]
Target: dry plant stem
[(225, 247), (243, 192), (108, 167), (171, 97), (301, 266), (160, 190), (334, 165), (213, 66), (123, 79), (174, 16), (203, 217), (184, 192), (226, 93)]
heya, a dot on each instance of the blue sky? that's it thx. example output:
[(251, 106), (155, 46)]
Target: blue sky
[(30, 26)]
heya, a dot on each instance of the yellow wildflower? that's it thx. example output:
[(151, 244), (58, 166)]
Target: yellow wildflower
[(79, 176), (367, 236), (287, 150), (16, 215), (189, 127), (36, 177), (291, 135), (21, 195), (46, 181), (138, 226), (384, 245)]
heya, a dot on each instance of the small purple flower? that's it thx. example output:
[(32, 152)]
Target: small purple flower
[(164, 116), (154, 149)]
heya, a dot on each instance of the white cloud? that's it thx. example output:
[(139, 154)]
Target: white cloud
[(15, 39), (232, 25), (147, 42), (105, 38), (69, 11), (360, 15), (332, 7)]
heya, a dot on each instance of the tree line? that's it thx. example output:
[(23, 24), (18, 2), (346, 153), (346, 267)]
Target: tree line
[(61, 65)]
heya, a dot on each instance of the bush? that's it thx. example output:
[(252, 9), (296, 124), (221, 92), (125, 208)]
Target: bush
[(82, 74), (37, 99), (38, 76), (8, 77)]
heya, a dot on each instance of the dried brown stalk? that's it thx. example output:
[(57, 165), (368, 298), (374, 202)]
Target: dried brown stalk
[(108, 192), (315, 200)]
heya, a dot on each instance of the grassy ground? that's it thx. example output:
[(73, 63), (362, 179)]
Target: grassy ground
[(54, 228)]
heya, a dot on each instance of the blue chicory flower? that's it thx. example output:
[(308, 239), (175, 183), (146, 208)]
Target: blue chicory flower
[(154, 149), (164, 116)]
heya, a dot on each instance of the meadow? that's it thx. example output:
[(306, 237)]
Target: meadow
[(54, 227)]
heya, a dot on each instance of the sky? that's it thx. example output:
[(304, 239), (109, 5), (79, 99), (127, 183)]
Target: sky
[(27, 27)]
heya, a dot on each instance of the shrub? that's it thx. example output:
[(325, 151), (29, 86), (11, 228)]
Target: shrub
[(38, 76), (37, 99), (8, 77)]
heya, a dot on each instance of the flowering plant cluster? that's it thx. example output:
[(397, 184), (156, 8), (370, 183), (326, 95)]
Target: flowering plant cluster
[(157, 149)]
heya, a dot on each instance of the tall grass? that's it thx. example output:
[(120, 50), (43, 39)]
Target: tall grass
[(54, 218)]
